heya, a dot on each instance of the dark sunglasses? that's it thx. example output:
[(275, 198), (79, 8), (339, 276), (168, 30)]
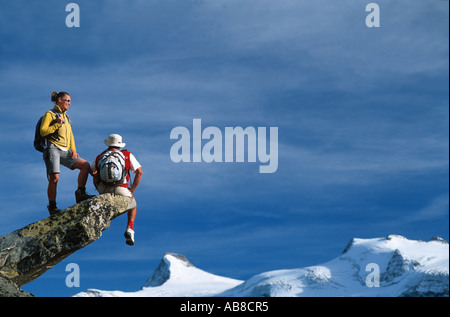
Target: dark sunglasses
[(68, 100)]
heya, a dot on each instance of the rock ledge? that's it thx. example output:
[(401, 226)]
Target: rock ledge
[(27, 253)]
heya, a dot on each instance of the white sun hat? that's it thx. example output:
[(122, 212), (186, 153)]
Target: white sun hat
[(114, 140)]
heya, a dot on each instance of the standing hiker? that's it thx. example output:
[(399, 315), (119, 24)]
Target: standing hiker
[(56, 130), (111, 171)]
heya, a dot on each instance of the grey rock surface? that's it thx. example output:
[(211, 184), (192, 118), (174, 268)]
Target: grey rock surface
[(27, 253)]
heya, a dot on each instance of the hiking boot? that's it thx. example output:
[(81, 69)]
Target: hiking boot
[(80, 195), (129, 235), (53, 210)]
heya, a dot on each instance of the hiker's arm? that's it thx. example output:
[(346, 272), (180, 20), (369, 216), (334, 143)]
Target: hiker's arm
[(95, 178), (46, 125), (73, 149), (94, 172), (137, 179)]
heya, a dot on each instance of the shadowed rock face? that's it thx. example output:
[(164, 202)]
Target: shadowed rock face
[(9, 289), (27, 253)]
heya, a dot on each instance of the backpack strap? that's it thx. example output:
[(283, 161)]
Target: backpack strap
[(58, 114), (127, 153), (68, 119), (55, 112)]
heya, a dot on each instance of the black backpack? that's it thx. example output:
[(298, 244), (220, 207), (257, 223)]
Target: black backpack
[(40, 143)]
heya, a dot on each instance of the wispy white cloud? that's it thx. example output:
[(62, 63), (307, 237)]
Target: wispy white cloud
[(438, 207)]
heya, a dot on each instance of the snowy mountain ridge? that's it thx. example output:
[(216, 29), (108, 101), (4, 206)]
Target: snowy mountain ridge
[(175, 276), (388, 267)]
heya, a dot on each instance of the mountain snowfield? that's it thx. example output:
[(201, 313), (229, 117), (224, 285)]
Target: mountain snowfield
[(174, 277), (388, 267)]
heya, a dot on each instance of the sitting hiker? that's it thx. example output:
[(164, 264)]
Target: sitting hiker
[(56, 130), (111, 171)]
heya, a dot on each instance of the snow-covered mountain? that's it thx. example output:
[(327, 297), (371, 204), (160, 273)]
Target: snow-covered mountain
[(174, 277), (405, 268), (388, 267)]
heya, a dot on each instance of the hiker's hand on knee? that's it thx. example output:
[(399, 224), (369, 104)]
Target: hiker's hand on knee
[(74, 154)]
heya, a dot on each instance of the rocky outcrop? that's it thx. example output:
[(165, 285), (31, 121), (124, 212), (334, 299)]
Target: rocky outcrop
[(9, 289), (27, 253)]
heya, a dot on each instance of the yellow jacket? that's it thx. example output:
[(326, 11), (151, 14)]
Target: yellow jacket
[(59, 134)]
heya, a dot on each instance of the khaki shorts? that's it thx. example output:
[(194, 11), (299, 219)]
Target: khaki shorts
[(118, 190)]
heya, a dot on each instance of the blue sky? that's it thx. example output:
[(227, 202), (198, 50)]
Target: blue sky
[(362, 115)]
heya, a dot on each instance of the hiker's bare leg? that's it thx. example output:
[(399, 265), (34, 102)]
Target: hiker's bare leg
[(85, 170), (52, 184), (132, 215)]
